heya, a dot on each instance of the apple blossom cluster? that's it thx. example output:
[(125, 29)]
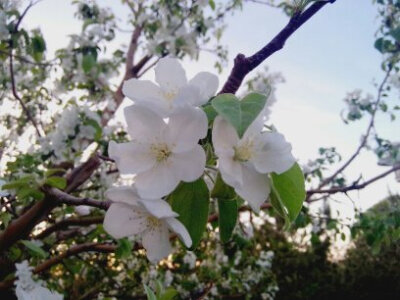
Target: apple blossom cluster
[(5, 7), (29, 289), (165, 124), (389, 155), (356, 105), (74, 131)]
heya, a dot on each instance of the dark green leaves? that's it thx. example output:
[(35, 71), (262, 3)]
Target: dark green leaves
[(288, 193), (38, 46), (191, 201), (240, 113), (227, 208)]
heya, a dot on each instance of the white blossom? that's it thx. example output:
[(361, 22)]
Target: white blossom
[(173, 90), (245, 163), (28, 289), (151, 219), (161, 153)]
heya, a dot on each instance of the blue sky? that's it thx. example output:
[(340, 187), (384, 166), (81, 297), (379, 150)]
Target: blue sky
[(330, 55)]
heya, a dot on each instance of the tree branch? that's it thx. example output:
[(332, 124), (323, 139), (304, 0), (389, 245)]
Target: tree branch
[(244, 65), (74, 250), (63, 224), (62, 197), (367, 133), (354, 186)]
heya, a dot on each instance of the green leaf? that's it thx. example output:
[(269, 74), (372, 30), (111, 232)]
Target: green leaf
[(395, 33), (124, 248), (38, 46), (96, 126), (228, 212), (169, 294), (35, 249), (288, 192), (227, 207), (221, 190), (88, 62), (212, 4), (150, 294), (240, 113), (210, 112), (57, 182), (26, 192), (51, 172), (191, 201)]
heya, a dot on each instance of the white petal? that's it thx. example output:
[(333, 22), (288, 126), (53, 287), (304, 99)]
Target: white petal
[(224, 135), (122, 220), (131, 157), (255, 188), (143, 124), (169, 74), (177, 227), (185, 127), (141, 90), (158, 208), (188, 166), (207, 84), (156, 182), (231, 171), (123, 194), (156, 242), (275, 154)]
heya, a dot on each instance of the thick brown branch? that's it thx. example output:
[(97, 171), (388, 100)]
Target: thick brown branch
[(244, 65), (22, 226)]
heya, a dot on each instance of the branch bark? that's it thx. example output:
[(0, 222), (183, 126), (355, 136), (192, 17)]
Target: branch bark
[(244, 65)]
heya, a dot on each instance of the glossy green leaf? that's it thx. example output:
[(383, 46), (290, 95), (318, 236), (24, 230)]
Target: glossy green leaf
[(88, 62), (228, 212), (191, 201), (288, 192), (150, 294), (240, 113)]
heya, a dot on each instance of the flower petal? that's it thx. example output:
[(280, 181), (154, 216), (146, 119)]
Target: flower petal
[(123, 194), (255, 189), (177, 227), (169, 74), (231, 171), (131, 157), (122, 220), (224, 135), (143, 124), (207, 84), (158, 208), (156, 242), (185, 127), (188, 166), (274, 155), (141, 90), (156, 182)]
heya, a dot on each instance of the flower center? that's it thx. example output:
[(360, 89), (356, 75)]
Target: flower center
[(243, 152), (161, 151), (153, 222), (170, 95)]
